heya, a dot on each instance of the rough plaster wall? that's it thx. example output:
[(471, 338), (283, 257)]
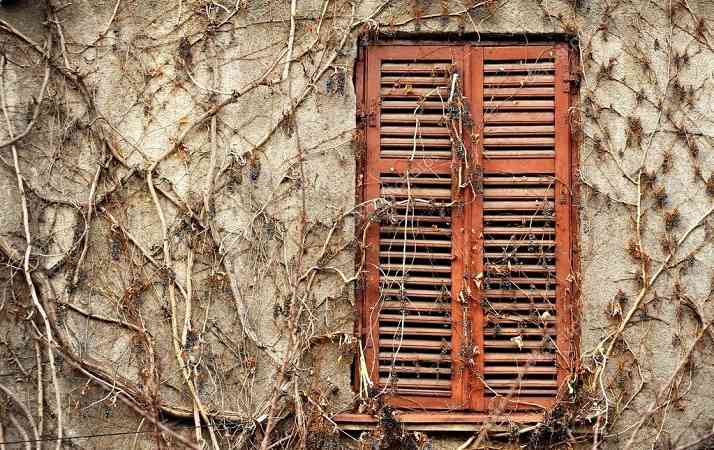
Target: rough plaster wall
[(138, 79)]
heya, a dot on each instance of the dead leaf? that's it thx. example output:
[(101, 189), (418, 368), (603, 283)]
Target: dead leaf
[(518, 340)]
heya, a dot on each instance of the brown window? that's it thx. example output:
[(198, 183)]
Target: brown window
[(467, 178)]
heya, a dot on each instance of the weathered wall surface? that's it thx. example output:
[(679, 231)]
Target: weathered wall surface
[(192, 215)]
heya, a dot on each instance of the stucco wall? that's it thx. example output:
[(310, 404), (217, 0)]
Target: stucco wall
[(132, 78)]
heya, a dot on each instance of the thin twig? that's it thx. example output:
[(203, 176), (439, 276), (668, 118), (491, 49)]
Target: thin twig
[(16, 423), (102, 318), (40, 393), (28, 251), (291, 39), (21, 406), (111, 20), (168, 262), (87, 222), (35, 113), (613, 337), (654, 405)]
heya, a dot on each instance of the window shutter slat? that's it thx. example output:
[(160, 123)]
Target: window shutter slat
[(409, 130), (414, 310), (518, 295), (519, 97)]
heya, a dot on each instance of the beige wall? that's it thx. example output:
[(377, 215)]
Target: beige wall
[(273, 211)]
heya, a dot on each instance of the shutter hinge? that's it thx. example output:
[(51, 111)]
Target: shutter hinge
[(564, 193), (571, 82), (361, 116), (368, 118)]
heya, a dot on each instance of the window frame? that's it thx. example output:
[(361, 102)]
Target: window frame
[(471, 56)]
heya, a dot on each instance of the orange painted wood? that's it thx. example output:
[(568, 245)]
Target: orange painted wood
[(517, 92), (518, 118), (418, 55), (518, 52), (403, 153), (449, 417), (518, 165), (563, 207), (409, 131), (420, 140), (515, 105), (475, 242), (432, 93), (520, 357), (519, 80), (528, 137), (518, 130), (505, 197), (427, 119), (518, 180), (518, 154), (418, 370), (425, 400), (419, 104), (458, 253), (537, 193), (414, 356), (389, 150), (573, 308), (415, 67), (518, 67), (360, 195), (404, 80), (400, 166), (372, 291)]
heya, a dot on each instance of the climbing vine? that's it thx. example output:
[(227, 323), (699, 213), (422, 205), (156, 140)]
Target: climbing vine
[(180, 241)]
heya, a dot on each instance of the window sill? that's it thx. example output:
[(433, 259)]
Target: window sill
[(455, 422)]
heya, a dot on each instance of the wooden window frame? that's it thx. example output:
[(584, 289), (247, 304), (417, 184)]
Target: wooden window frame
[(468, 397)]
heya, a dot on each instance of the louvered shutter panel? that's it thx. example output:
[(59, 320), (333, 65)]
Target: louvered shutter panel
[(414, 258), (430, 339), (522, 223)]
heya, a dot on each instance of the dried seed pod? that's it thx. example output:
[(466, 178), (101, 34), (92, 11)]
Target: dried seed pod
[(339, 80), (710, 185), (185, 52), (672, 219), (667, 161), (254, 169), (634, 124), (115, 247), (287, 125), (660, 197)]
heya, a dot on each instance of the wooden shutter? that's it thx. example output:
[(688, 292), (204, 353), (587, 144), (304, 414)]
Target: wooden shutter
[(414, 260), (467, 289), (522, 223)]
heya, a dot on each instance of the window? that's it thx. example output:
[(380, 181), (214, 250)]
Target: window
[(467, 174)]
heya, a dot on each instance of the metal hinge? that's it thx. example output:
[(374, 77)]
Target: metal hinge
[(571, 82), (361, 117), (564, 194), (368, 118)]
